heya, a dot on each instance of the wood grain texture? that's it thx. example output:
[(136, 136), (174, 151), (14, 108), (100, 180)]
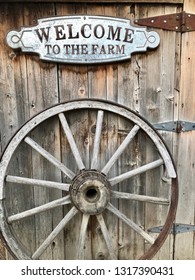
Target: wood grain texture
[(148, 83), (160, 106), (185, 244), (104, 1)]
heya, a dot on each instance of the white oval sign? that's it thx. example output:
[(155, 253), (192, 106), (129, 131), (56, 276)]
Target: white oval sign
[(83, 39)]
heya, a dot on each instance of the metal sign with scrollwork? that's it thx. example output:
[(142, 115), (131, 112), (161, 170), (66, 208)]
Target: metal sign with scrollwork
[(83, 39)]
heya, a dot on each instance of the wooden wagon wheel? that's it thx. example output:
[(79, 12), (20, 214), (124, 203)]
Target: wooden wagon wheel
[(89, 190)]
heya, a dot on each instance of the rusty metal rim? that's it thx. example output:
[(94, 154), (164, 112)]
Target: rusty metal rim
[(168, 224)]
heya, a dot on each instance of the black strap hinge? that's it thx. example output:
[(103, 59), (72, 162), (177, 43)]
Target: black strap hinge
[(176, 228), (175, 126), (179, 22)]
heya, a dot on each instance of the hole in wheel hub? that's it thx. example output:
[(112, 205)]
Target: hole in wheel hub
[(90, 192)]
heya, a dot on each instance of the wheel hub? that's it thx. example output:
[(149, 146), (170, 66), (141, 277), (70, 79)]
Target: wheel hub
[(90, 192)]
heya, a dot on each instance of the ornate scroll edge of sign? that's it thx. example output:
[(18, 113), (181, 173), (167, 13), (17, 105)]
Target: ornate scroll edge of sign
[(83, 39)]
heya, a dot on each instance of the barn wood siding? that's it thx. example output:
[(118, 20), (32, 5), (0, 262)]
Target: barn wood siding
[(154, 84)]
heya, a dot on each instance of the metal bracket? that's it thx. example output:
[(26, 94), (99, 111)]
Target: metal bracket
[(175, 126), (180, 22), (176, 228)]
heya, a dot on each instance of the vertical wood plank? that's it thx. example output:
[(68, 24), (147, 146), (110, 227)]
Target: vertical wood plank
[(130, 244), (14, 111), (73, 84), (12, 77), (43, 93), (97, 89), (184, 245), (103, 83), (110, 145), (157, 80)]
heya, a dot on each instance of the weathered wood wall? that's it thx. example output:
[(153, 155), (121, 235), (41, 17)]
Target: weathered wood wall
[(184, 150), (106, 1), (153, 84)]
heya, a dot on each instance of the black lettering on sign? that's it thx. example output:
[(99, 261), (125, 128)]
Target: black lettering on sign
[(99, 31), (114, 33), (128, 35), (85, 31), (43, 33), (70, 30), (59, 32)]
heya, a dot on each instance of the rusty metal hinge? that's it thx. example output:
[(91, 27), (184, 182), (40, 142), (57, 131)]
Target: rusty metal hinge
[(180, 22), (175, 126)]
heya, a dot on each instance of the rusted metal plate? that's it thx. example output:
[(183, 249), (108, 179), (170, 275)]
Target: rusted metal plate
[(83, 39), (180, 22)]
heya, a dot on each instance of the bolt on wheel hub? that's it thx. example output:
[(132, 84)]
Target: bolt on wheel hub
[(90, 192)]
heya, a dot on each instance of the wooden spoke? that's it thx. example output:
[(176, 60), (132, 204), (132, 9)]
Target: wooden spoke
[(106, 237), (120, 149), (94, 162), (130, 223), (71, 141), (144, 198), (36, 182), (134, 172), (54, 233), (49, 157), (82, 236), (39, 209)]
